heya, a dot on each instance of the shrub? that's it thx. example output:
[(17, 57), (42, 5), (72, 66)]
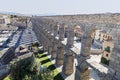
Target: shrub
[(40, 51), (104, 61), (36, 44), (29, 69)]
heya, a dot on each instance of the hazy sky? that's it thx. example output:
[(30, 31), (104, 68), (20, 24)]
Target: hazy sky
[(60, 6)]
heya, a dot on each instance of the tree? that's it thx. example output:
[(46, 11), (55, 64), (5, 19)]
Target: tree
[(21, 69), (36, 44), (47, 75), (27, 77), (29, 69)]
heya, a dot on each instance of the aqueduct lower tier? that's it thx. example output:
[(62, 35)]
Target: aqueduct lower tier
[(51, 35)]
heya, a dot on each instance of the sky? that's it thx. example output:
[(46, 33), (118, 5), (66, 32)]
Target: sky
[(60, 6)]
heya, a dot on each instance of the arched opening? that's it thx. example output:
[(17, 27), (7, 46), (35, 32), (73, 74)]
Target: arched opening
[(78, 33), (66, 31)]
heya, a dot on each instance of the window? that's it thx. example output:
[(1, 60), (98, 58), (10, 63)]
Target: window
[(106, 55), (107, 49)]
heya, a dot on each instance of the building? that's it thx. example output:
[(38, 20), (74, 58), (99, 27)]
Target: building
[(78, 31), (8, 28), (105, 37), (7, 55), (97, 34), (107, 48), (22, 49), (2, 21), (6, 34), (5, 19), (100, 37)]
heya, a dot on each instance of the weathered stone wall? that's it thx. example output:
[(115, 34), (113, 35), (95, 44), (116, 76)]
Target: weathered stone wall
[(95, 18), (114, 64), (114, 70)]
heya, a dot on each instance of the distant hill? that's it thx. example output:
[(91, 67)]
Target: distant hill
[(14, 13)]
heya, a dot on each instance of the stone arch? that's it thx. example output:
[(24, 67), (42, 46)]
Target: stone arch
[(78, 31), (56, 28), (61, 31), (114, 58), (88, 29), (66, 30)]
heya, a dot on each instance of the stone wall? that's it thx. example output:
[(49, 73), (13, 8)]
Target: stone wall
[(114, 70), (95, 18), (114, 64)]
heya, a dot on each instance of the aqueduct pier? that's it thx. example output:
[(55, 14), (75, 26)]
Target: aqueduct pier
[(51, 34)]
